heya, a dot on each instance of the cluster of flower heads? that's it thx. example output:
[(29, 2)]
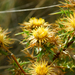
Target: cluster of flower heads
[(46, 38), (41, 33), (40, 30)]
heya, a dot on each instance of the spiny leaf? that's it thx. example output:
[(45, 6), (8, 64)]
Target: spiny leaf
[(2, 52), (27, 32)]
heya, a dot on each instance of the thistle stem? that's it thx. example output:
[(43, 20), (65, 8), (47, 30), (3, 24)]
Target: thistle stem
[(12, 55)]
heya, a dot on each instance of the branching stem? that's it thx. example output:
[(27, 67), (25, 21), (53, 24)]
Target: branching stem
[(57, 55), (12, 55)]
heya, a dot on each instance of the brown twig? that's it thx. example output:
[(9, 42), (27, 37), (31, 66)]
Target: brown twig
[(12, 55), (57, 55)]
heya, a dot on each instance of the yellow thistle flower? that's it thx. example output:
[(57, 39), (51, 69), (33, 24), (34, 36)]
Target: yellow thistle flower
[(72, 20), (4, 40), (41, 68), (70, 23), (34, 23), (42, 36), (39, 35)]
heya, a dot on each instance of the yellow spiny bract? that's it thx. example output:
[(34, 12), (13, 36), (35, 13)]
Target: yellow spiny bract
[(36, 22), (40, 68)]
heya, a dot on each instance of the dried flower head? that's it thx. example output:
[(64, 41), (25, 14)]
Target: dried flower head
[(42, 68), (71, 1), (69, 4)]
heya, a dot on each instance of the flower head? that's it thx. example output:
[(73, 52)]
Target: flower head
[(41, 68), (39, 35), (4, 40), (42, 36), (67, 22), (34, 23), (71, 20), (70, 23)]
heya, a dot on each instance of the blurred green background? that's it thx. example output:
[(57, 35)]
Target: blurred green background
[(11, 22)]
